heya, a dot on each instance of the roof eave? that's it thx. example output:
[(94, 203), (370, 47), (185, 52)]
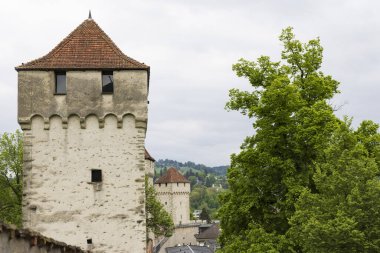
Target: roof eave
[(22, 68)]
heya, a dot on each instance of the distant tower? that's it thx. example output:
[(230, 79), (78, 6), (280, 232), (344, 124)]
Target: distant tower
[(173, 191), (83, 110)]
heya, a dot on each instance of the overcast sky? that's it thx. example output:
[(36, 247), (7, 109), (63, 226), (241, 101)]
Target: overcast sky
[(190, 46)]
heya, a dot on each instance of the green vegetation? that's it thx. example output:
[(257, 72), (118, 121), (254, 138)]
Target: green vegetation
[(197, 174), (206, 183), (158, 221), (204, 215), (306, 181), (202, 197), (218, 170), (11, 161)]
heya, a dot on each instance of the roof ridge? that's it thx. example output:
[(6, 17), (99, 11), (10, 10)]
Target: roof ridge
[(172, 175), (68, 52)]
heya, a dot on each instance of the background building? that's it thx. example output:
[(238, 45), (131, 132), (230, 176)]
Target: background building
[(173, 191)]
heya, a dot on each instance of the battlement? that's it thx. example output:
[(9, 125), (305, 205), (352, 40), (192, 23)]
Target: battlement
[(75, 121), (172, 188)]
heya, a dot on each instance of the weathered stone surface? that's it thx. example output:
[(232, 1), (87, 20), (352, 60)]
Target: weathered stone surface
[(67, 137), (14, 240), (176, 199), (84, 96)]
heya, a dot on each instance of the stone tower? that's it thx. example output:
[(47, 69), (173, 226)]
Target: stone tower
[(83, 110), (173, 191)]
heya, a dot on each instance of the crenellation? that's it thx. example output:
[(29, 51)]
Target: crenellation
[(128, 120)]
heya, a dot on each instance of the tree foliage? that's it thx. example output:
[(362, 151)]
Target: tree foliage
[(11, 161), (290, 186), (158, 220), (204, 215), (203, 197), (343, 214)]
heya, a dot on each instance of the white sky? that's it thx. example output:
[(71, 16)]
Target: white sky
[(190, 46)]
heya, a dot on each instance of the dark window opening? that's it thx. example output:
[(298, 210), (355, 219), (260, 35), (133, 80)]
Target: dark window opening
[(60, 83), (107, 82), (96, 176), (89, 241)]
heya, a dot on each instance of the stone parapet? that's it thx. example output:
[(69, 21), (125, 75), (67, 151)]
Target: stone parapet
[(24, 241)]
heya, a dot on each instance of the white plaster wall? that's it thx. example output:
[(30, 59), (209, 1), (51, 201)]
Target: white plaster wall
[(176, 199), (59, 201)]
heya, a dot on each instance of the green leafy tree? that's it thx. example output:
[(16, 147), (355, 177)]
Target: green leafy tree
[(11, 161), (210, 180), (203, 197), (158, 221), (280, 165), (193, 181), (343, 214), (204, 215)]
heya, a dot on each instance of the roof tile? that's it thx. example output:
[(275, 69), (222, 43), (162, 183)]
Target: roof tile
[(87, 47), (172, 176)]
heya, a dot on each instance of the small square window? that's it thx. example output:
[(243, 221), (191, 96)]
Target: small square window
[(96, 176), (89, 241), (107, 82), (60, 83)]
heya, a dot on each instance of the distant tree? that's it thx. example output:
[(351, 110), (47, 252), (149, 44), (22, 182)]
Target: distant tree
[(193, 181), (11, 162), (203, 197), (158, 220), (210, 180), (204, 215)]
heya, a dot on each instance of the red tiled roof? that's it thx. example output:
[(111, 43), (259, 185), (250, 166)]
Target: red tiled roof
[(172, 176), (148, 156), (87, 47)]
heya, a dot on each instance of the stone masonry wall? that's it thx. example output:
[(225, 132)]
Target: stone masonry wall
[(176, 199), (66, 137), (14, 240)]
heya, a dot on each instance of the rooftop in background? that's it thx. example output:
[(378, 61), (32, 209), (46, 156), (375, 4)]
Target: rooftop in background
[(148, 156), (172, 176), (212, 232), (188, 249), (87, 47)]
